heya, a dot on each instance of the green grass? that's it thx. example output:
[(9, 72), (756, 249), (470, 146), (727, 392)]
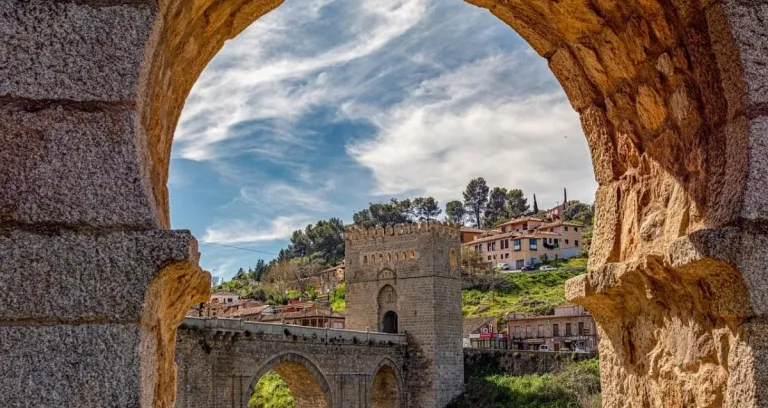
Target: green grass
[(578, 386), (531, 293), (338, 298), (271, 392)]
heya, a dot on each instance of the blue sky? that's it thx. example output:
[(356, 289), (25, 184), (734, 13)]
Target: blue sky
[(322, 106)]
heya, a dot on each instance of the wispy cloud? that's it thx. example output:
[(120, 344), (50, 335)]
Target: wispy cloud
[(239, 231), (478, 121), (262, 86)]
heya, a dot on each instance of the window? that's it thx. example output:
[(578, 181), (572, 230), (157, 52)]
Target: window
[(567, 329), (381, 258), (494, 257), (517, 332), (534, 244), (540, 331), (576, 242), (503, 229), (506, 244), (581, 328), (566, 228), (506, 255), (404, 256), (519, 264), (575, 229), (488, 247), (557, 241), (555, 330), (389, 257), (528, 331), (489, 257), (397, 256), (413, 254), (365, 259), (516, 243), (566, 242)]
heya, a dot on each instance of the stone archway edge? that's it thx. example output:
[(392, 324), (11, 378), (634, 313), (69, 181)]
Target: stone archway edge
[(672, 102)]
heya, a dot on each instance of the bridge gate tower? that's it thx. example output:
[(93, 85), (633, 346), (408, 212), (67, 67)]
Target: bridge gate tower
[(406, 279)]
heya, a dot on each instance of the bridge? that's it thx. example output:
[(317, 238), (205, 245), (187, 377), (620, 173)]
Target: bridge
[(221, 360), (402, 282)]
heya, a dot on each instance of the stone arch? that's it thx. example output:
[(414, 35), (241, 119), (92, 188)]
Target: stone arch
[(386, 387), (386, 302), (663, 89), (307, 383)]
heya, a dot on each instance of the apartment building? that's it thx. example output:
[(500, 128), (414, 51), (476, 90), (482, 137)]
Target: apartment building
[(528, 241), (571, 328)]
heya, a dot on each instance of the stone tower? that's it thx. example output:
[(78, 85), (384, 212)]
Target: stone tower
[(407, 279)]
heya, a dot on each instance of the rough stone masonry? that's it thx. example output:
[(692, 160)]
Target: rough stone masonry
[(673, 102)]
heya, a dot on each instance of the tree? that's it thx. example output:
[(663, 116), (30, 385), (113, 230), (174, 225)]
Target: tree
[(472, 261), (455, 212), (535, 205), (475, 197), (565, 199), (363, 218), (259, 270), (517, 205), (426, 208), (495, 210), (578, 212), (384, 214)]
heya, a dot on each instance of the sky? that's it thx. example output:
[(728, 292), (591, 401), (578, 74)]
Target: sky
[(323, 106)]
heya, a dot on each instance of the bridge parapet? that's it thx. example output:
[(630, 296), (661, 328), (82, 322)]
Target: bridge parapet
[(339, 336)]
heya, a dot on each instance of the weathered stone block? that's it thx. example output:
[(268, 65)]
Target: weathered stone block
[(84, 366), (68, 276), (748, 21), (67, 50), (755, 199), (61, 166)]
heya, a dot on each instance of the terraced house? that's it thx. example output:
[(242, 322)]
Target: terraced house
[(528, 241)]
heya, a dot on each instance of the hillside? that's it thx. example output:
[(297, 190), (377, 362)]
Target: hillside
[(531, 293)]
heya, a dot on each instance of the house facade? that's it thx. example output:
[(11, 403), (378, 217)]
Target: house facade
[(310, 317), (528, 241), (482, 332), (224, 297), (571, 328)]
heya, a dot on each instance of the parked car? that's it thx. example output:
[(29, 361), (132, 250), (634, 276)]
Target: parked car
[(543, 347), (547, 268), (528, 268), (504, 266)]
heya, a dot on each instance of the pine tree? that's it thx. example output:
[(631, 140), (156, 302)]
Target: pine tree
[(535, 205)]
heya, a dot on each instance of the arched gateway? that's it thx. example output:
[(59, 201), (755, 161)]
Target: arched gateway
[(672, 100)]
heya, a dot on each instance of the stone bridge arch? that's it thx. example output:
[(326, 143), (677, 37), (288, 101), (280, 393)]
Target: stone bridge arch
[(672, 101), (387, 387), (308, 385)]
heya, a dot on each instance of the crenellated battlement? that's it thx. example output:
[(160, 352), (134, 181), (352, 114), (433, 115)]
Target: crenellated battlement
[(448, 229)]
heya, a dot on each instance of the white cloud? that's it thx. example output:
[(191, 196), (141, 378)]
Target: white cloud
[(281, 197), (239, 231), (267, 75), (470, 123)]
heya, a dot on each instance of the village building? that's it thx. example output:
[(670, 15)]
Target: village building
[(570, 328), (469, 234), (224, 297), (482, 332), (310, 316), (528, 241)]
